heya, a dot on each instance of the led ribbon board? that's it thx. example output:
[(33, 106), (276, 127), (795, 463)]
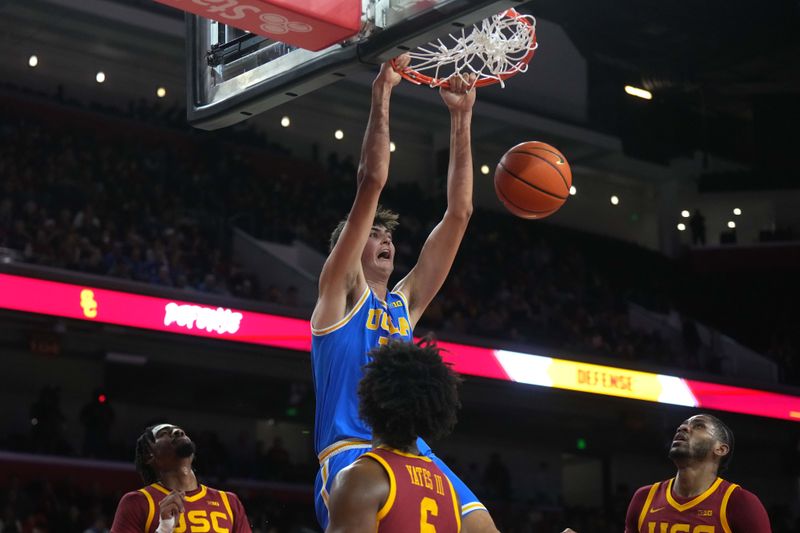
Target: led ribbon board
[(180, 317)]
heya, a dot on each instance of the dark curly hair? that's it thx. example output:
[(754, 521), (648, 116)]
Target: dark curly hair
[(144, 451), (383, 217), (408, 391)]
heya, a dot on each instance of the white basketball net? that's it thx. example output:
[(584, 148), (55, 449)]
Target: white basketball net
[(495, 49)]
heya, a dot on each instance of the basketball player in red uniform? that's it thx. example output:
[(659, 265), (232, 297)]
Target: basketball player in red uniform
[(407, 391), (173, 501), (696, 500)]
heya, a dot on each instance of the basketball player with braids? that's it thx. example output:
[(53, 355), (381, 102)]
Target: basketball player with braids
[(697, 500), (356, 311), (173, 501), (407, 391)]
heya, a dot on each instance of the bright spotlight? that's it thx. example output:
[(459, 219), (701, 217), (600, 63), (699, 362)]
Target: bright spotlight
[(639, 93), (615, 200), (731, 224), (33, 61), (572, 190), (681, 226), (737, 211), (392, 147), (286, 122), (685, 213), (161, 92), (100, 77), (485, 169), (339, 134)]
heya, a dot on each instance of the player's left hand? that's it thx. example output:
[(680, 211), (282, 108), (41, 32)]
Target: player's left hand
[(172, 505), (461, 94)]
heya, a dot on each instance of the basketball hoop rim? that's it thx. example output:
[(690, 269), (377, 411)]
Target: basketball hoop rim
[(418, 78)]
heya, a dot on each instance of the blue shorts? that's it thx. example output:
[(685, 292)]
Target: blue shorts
[(335, 462)]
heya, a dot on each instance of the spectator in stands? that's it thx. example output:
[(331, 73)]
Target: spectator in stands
[(278, 461), (47, 422), (153, 212), (97, 417), (100, 525), (496, 478), (697, 225)]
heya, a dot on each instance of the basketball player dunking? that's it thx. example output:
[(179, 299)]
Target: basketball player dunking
[(696, 500), (356, 311), (407, 391)]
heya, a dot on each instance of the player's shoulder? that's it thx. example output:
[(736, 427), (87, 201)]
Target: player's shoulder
[(644, 490), (640, 496), (134, 498), (364, 480), (740, 496), (361, 472)]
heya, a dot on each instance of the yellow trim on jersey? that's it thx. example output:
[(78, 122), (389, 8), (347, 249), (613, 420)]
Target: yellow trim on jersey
[(456, 508), (647, 503), (723, 508), (324, 331), (151, 510), (199, 495), (392, 485), (161, 488), (402, 297), (474, 506), (324, 491), (690, 504), (340, 446), (227, 505), (405, 454)]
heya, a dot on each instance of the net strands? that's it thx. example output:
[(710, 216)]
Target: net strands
[(495, 50)]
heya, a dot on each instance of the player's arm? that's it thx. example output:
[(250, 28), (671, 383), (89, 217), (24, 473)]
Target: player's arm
[(439, 251), (746, 513), (358, 493), (131, 514), (635, 509), (342, 275)]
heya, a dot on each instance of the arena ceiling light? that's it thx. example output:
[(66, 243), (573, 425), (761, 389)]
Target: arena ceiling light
[(33, 61), (161, 92), (737, 211), (392, 147), (685, 213), (731, 224), (639, 93), (485, 169), (100, 77), (572, 190), (681, 226), (615, 200), (339, 134), (286, 122)]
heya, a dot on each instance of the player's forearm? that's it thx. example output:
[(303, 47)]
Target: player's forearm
[(374, 164), (459, 172)]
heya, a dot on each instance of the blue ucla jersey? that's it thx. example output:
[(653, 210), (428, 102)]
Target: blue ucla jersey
[(338, 354)]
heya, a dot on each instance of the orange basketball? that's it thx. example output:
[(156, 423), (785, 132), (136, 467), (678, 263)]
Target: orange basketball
[(533, 180)]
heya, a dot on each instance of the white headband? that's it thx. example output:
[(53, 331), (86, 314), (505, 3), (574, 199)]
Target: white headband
[(159, 427)]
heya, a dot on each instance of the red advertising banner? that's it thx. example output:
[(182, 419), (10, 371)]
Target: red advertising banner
[(181, 317)]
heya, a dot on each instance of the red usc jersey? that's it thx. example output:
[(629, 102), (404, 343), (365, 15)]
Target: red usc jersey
[(723, 508), (206, 510), (419, 494)]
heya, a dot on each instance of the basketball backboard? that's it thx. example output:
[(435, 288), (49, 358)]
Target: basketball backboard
[(234, 74)]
